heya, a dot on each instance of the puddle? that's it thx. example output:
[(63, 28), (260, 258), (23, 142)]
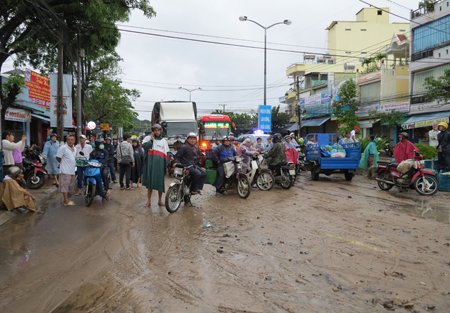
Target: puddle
[(427, 210)]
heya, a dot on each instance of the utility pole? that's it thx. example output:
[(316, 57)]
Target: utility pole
[(223, 108), (59, 101), (299, 109), (79, 84)]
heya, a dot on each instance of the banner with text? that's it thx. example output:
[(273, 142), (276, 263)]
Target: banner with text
[(265, 118), (67, 100)]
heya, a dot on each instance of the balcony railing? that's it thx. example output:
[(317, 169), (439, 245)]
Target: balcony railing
[(426, 7)]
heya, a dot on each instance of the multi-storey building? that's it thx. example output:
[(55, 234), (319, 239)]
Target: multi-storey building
[(430, 57)]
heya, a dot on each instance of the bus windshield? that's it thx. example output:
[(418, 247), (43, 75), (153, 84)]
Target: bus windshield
[(180, 129)]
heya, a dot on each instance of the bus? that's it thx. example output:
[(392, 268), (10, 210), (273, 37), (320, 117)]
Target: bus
[(212, 127)]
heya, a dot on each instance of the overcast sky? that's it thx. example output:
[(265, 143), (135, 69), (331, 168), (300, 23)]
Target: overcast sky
[(150, 62)]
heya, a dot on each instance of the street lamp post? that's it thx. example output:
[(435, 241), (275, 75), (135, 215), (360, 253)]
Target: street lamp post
[(190, 91), (285, 22)]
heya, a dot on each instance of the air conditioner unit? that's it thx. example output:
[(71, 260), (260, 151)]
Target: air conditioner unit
[(309, 57), (327, 56), (349, 66), (330, 62), (320, 61)]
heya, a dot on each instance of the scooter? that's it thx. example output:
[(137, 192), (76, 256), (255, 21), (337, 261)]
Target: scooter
[(91, 173), (284, 175), (422, 180), (236, 178), (260, 174), (34, 169)]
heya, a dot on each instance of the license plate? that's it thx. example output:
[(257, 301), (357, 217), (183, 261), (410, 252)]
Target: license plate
[(292, 172)]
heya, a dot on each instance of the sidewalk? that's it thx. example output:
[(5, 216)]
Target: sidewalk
[(41, 195)]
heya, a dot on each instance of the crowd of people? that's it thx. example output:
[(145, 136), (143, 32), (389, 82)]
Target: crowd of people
[(144, 162)]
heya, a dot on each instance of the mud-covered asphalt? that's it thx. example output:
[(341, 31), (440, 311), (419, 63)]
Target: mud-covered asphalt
[(326, 246)]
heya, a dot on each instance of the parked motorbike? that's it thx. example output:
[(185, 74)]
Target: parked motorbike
[(260, 174), (34, 169), (284, 175), (422, 180), (91, 171), (180, 190)]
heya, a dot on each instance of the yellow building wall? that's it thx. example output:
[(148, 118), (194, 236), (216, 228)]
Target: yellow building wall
[(371, 15)]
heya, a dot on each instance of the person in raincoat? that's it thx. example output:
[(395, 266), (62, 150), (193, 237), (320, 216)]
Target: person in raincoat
[(155, 164), (50, 150), (12, 195), (370, 157)]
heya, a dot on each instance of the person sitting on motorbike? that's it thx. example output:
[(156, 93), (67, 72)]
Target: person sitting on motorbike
[(225, 153), (291, 151), (276, 155), (248, 152), (189, 154), (404, 149), (100, 154)]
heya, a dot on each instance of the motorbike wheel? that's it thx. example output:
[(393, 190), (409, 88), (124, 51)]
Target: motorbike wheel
[(174, 198), (426, 185), (243, 186), (286, 180), (265, 180), (315, 173), (382, 185), (349, 176), (36, 182), (90, 194)]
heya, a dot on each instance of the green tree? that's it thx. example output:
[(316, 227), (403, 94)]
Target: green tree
[(388, 119), (11, 89), (438, 89), (345, 108), (279, 119), (108, 101)]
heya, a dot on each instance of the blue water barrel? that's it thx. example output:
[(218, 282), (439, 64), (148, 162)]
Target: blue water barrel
[(444, 182)]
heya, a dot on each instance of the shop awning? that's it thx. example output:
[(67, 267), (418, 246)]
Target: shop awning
[(425, 120), (314, 122), (44, 118)]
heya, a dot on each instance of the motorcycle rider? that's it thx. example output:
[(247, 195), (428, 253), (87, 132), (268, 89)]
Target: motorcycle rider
[(100, 154), (111, 152), (189, 154), (444, 147), (404, 149), (276, 155), (225, 152)]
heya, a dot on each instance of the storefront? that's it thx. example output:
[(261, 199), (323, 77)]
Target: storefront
[(419, 125), (18, 122)]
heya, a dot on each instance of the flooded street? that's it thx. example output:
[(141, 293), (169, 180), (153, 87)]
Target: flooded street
[(327, 246)]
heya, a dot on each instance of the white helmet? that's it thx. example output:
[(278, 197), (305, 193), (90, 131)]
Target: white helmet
[(191, 134)]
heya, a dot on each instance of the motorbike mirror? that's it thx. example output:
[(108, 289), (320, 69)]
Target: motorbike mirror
[(81, 153)]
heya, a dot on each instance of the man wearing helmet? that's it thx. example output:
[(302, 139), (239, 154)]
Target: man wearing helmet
[(405, 149), (444, 147), (276, 155), (189, 154), (111, 153), (225, 152), (100, 154)]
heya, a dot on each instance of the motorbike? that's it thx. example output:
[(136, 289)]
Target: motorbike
[(180, 190), (284, 175), (92, 169), (34, 169), (422, 180), (235, 177), (260, 175)]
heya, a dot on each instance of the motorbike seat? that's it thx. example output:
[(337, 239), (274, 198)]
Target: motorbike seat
[(393, 164)]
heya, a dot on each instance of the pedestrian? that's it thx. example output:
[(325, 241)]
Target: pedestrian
[(109, 147), (348, 138), (370, 157), (84, 151), (259, 145), (189, 155), (50, 149), (8, 146), (13, 195), (125, 159), (66, 157), (136, 171), (444, 147), (155, 164), (433, 136), (115, 145)]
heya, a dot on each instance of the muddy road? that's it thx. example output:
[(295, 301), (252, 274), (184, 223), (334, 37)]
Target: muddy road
[(327, 246)]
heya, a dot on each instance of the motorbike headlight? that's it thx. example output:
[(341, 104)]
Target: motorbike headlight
[(178, 171), (239, 167)]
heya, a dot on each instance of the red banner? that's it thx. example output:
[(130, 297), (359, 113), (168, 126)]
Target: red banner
[(38, 88)]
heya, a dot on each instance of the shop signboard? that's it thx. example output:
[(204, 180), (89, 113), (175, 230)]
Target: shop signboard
[(35, 95), (17, 115), (316, 105), (265, 118), (67, 100), (365, 109), (393, 106)]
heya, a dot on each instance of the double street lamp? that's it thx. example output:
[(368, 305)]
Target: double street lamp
[(190, 91), (285, 22)]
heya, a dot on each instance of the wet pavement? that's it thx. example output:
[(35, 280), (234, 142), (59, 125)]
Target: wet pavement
[(326, 246)]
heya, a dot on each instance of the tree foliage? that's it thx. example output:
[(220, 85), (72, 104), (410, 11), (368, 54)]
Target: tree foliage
[(346, 106), (241, 121), (11, 89), (388, 119), (438, 89), (279, 119)]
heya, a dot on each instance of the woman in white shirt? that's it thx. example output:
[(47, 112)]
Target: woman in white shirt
[(8, 146)]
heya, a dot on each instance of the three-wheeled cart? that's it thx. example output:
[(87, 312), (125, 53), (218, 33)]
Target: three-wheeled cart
[(319, 164)]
